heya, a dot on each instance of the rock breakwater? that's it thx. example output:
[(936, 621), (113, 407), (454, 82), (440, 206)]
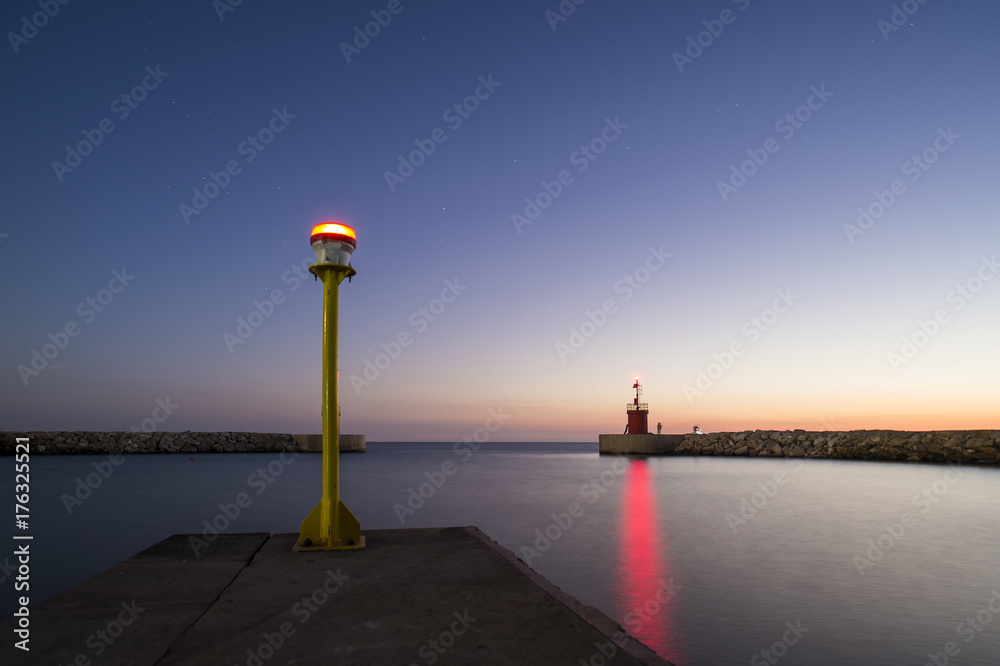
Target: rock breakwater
[(926, 446), (102, 443)]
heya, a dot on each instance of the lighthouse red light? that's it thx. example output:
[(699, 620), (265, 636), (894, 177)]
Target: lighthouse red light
[(333, 243), (334, 231)]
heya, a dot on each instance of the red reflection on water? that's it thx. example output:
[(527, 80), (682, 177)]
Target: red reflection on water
[(644, 597)]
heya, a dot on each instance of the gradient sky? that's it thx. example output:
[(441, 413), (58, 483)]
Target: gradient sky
[(826, 362)]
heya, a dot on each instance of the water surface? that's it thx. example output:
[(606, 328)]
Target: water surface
[(830, 562)]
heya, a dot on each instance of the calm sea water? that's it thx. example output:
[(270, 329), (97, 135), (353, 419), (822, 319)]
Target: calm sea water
[(707, 560)]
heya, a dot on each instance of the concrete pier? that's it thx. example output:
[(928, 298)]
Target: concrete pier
[(414, 596), (643, 444)]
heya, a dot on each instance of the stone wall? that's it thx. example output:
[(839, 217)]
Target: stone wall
[(95, 443), (639, 444), (930, 446)]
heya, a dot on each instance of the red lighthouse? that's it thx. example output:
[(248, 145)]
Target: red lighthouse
[(638, 413)]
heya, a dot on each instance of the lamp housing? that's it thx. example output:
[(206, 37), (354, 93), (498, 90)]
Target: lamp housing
[(333, 243)]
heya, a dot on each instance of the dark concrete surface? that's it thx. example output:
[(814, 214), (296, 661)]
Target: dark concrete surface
[(413, 596)]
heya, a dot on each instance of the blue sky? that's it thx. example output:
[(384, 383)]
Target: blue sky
[(205, 91)]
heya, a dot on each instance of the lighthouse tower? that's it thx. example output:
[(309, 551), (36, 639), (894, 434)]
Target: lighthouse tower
[(637, 439), (638, 413)]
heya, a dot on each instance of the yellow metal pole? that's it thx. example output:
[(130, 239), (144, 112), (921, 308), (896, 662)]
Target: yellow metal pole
[(330, 525)]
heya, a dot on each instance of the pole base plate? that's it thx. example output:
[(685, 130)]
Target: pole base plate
[(330, 526)]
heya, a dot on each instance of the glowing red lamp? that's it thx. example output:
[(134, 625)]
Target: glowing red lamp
[(333, 243)]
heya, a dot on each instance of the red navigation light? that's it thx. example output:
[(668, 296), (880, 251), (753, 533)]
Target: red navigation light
[(334, 231), (333, 243)]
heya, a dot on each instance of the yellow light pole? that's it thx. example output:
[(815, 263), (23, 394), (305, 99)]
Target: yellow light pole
[(331, 525)]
